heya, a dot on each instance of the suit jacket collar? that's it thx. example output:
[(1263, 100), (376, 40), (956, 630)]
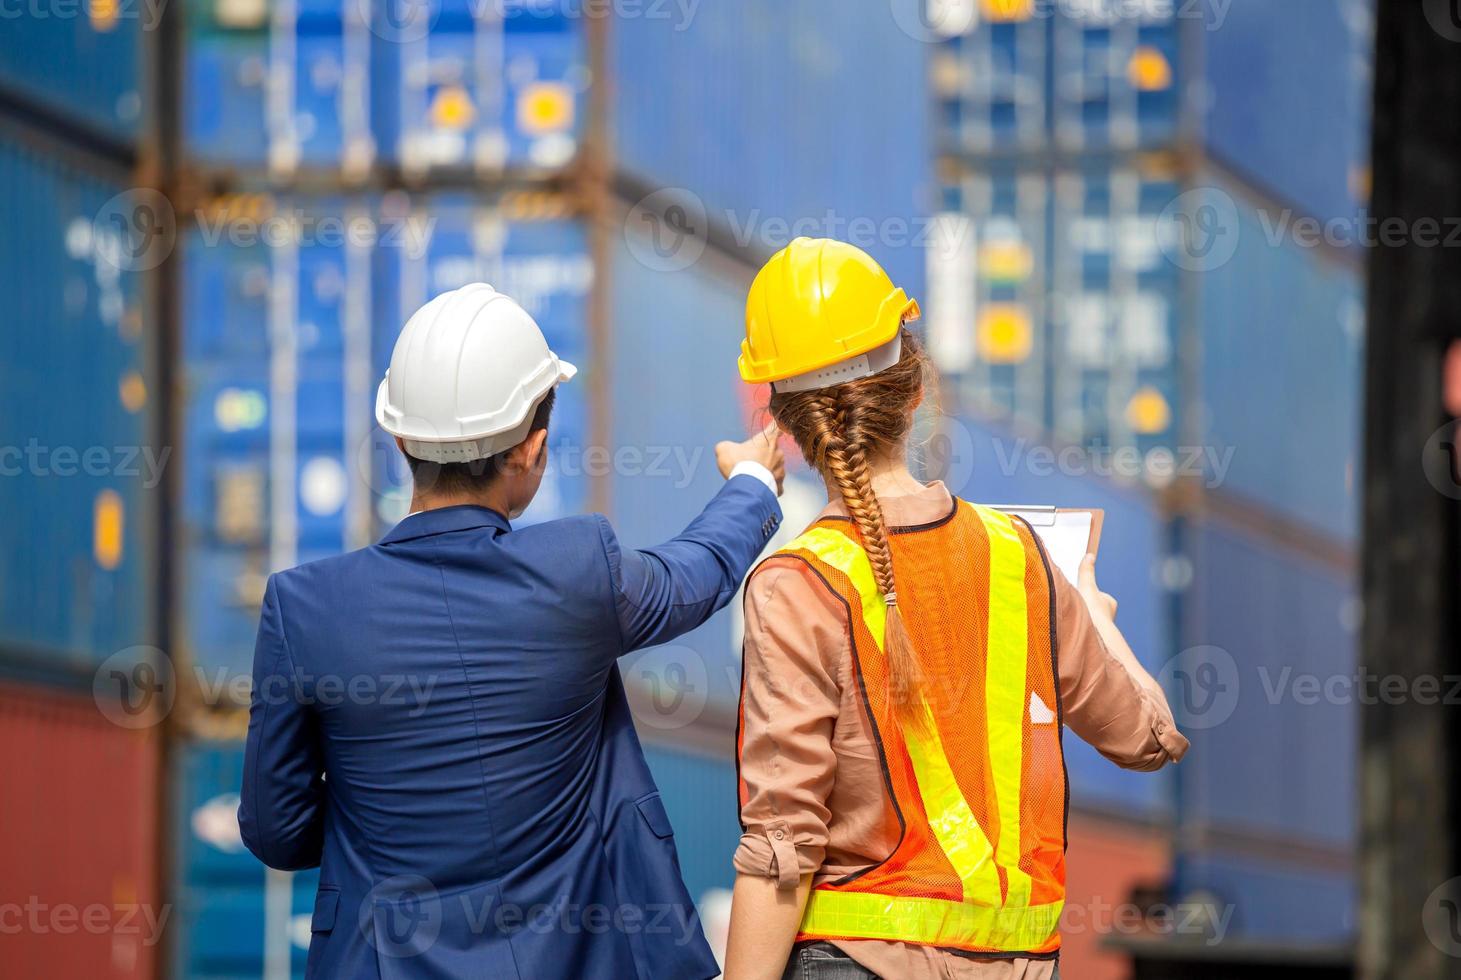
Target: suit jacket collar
[(464, 517)]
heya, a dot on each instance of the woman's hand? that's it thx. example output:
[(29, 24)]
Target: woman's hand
[(764, 922), (1101, 604)]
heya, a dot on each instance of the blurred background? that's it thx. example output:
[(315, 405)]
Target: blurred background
[(1139, 230)]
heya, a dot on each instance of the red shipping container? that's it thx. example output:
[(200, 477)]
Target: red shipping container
[(79, 897), (1104, 861)]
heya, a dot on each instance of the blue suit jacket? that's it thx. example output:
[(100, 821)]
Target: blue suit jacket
[(438, 722)]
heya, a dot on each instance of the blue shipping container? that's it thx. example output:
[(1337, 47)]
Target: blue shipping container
[(221, 928), (446, 84), (1051, 303), (1076, 77), (1262, 900), (82, 61), (291, 310), (991, 464), (674, 391), (445, 241), (816, 123), (699, 792), (278, 381), (1289, 102), (1282, 334), (77, 472), (1268, 689)]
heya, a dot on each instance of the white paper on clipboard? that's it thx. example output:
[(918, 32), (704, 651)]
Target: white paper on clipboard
[(1068, 535)]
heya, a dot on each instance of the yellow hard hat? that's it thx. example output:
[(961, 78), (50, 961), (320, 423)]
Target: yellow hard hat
[(819, 313)]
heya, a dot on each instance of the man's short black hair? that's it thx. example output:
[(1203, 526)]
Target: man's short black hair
[(475, 475)]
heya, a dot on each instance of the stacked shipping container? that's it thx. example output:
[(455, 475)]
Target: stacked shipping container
[(1125, 279), (356, 164), (79, 473), (421, 144), (769, 120)]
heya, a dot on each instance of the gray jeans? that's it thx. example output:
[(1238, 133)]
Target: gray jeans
[(823, 961)]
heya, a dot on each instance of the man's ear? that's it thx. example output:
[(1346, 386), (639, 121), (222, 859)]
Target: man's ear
[(526, 454)]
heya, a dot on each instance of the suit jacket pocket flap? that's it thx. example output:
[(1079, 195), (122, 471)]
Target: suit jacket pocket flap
[(652, 808), (327, 904)]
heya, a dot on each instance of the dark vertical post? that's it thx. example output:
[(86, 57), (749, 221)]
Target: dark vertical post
[(594, 190), (159, 166), (1409, 774)]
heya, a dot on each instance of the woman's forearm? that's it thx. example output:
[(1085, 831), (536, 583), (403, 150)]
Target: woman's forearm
[(764, 921)]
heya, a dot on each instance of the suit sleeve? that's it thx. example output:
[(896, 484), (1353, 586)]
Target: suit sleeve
[(660, 593), (281, 809)]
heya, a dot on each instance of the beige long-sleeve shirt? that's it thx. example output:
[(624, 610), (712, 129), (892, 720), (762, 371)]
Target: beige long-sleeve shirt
[(815, 798)]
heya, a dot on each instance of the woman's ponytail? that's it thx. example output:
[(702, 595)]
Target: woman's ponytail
[(842, 456)]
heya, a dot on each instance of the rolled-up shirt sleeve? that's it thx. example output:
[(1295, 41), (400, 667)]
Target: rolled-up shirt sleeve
[(796, 635), (1127, 721)]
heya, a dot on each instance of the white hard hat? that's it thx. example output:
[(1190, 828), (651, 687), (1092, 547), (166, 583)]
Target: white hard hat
[(466, 377)]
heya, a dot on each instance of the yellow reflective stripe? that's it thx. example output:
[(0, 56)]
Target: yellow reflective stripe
[(846, 555), (949, 817), (953, 824), (1004, 689), (934, 921)]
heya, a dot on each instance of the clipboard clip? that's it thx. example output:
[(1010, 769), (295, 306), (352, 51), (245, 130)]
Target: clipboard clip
[(1039, 515)]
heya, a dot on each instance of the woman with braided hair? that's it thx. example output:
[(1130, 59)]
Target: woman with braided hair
[(911, 661)]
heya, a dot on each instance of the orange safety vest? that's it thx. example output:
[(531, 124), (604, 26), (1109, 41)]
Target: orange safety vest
[(980, 789)]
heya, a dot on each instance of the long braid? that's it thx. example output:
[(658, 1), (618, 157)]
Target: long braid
[(839, 452)]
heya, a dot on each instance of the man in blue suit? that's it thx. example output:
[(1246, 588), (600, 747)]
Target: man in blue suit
[(438, 720)]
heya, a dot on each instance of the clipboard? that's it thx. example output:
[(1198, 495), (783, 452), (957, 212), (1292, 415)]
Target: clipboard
[(1069, 534)]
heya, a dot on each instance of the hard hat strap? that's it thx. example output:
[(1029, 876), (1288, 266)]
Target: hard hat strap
[(862, 366)]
